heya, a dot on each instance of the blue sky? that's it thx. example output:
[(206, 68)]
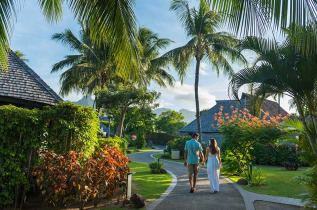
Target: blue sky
[(32, 36)]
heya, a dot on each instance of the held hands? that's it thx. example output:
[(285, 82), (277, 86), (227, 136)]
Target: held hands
[(203, 162), (185, 163)]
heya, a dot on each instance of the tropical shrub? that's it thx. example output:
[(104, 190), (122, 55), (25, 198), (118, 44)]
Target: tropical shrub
[(178, 144), (156, 167), (242, 130), (254, 177), (120, 143), (20, 130), (309, 178), (24, 133), (69, 126), (58, 177), (275, 154), (71, 178), (139, 142), (232, 162)]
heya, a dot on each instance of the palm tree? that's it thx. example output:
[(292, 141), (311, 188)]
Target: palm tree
[(284, 70), (205, 43), (152, 65), (90, 69), (111, 20)]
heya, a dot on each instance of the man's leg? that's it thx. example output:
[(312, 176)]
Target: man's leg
[(190, 177), (196, 170)]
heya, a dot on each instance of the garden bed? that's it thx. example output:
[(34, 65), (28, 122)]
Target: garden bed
[(278, 183)]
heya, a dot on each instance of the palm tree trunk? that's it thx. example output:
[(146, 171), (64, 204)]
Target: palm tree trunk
[(120, 126), (197, 99)]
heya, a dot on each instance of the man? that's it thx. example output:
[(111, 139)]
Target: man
[(193, 150)]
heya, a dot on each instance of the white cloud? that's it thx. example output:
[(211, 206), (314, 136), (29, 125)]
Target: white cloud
[(183, 96), (203, 69)]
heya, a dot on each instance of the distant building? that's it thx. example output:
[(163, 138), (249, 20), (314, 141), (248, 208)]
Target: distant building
[(207, 118), (21, 86)]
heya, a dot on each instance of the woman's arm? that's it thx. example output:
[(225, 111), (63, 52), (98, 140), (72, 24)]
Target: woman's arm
[(220, 162), (206, 156)]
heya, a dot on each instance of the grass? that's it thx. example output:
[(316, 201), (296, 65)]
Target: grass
[(159, 155), (278, 183), (134, 149), (149, 185)]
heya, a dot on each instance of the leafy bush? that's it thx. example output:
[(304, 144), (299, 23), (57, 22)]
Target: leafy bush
[(120, 143), (179, 144), (24, 133), (242, 130), (275, 154), (70, 127), (233, 164), (309, 179), (156, 167), (72, 179), (254, 177), (19, 139), (139, 142)]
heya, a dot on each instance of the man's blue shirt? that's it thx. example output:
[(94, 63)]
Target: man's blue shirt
[(193, 148)]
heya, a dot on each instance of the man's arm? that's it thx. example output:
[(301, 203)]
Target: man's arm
[(185, 158), (202, 157)]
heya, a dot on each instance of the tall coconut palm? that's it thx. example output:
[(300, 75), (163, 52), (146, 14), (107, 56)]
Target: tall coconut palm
[(90, 69), (218, 48), (285, 70), (111, 20), (152, 66)]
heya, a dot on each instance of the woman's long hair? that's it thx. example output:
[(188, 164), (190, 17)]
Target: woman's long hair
[(213, 146)]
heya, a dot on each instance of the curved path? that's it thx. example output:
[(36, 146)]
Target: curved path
[(180, 198)]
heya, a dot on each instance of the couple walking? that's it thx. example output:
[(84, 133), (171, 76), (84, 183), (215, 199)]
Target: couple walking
[(193, 150)]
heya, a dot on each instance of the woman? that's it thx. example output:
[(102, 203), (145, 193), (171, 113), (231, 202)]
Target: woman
[(214, 165)]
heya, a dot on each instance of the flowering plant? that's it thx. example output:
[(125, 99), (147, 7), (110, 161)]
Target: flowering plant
[(242, 130)]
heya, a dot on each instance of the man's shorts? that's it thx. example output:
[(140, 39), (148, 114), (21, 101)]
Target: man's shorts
[(193, 168)]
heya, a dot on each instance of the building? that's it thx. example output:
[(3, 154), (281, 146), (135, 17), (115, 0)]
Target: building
[(22, 87), (207, 118)]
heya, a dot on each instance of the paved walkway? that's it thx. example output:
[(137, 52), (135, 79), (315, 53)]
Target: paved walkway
[(180, 198)]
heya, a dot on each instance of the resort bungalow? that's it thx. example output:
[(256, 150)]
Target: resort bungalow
[(22, 87), (207, 118)]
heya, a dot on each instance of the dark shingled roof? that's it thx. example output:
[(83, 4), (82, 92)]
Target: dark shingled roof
[(207, 118), (22, 83)]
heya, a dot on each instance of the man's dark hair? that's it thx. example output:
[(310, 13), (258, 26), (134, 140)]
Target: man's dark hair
[(194, 135)]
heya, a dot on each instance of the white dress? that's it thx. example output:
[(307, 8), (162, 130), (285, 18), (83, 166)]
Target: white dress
[(213, 171)]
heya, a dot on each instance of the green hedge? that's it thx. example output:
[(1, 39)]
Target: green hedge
[(275, 155), (120, 143), (160, 138), (24, 133), (179, 144)]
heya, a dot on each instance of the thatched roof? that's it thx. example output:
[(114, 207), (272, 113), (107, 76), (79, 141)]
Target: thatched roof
[(207, 118)]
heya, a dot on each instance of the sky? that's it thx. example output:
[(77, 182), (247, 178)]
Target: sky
[(32, 36)]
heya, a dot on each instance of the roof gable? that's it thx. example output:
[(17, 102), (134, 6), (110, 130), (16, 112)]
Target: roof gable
[(21, 82)]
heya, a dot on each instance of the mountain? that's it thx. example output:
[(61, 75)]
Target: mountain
[(159, 111), (188, 115), (86, 101)]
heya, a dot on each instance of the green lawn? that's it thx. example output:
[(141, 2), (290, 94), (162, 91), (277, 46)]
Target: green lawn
[(277, 183), (150, 186), (134, 150), (160, 154)]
